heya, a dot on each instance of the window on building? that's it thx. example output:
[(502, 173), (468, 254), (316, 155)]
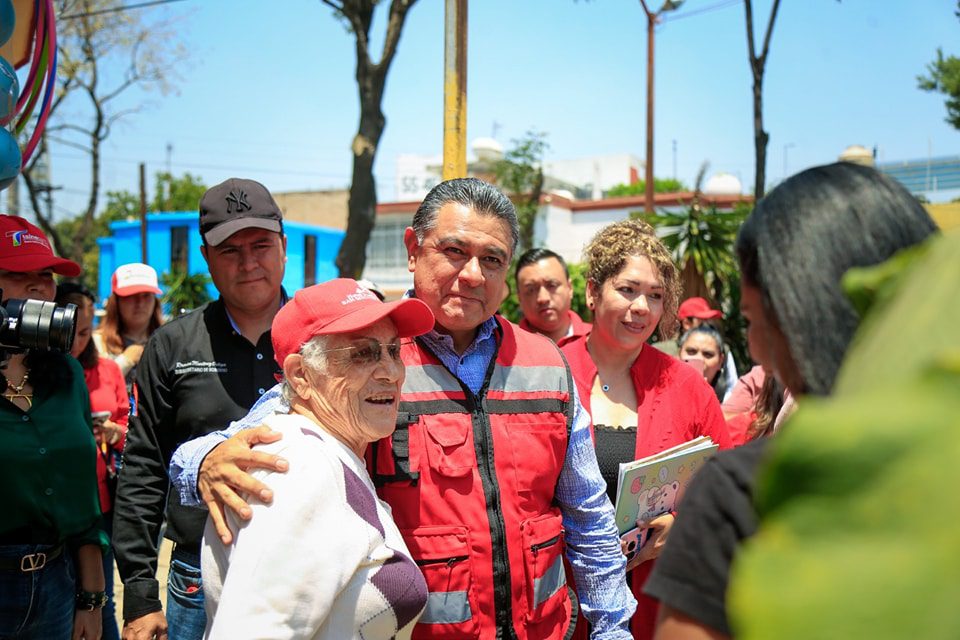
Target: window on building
[(179, 249), (385, 249), (309, 260)]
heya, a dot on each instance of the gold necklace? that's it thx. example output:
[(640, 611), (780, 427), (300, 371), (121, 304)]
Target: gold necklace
[(16, 391)]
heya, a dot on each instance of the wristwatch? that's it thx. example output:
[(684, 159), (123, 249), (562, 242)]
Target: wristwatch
[(91, 600)]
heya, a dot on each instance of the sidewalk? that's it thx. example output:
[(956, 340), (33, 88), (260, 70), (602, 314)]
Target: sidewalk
[(163, 566)]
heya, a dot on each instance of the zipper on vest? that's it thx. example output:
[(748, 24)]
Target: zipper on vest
[(498, 529), (543, 545), (447, 561)]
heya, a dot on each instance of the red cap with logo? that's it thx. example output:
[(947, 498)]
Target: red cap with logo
[(341, 306), (24, 247), (697, 308)]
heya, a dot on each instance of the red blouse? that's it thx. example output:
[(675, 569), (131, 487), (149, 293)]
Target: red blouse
[(108, 392)]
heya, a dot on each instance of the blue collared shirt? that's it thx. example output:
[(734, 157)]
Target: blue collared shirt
[(593, 546)]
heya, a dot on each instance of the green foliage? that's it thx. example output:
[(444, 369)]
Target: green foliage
[(943, 76), (702, 241), (184, 292), (858, 501), (510, 308), (660, 185), (520, 174), (177, 194)]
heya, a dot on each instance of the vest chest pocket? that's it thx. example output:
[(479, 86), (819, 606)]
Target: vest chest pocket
[(546, 581), (450, 446), (443, 555)]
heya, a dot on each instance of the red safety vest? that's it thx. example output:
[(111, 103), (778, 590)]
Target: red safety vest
[(471, 480)]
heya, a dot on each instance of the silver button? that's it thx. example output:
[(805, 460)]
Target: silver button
[(25, 418), (42, 450), (261, 390), (48, 491), (259, 356)]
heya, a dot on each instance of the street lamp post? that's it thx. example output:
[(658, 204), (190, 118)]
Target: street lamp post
[(652, 17)]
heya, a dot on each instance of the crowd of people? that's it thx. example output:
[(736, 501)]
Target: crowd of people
[(424, 468)]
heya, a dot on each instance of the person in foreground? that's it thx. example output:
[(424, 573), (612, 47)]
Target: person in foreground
[(642, 401), (51, 548), (491, 472), (110, 408), (812, 228), (325, 559)]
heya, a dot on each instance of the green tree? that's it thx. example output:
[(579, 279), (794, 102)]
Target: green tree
[(92, 37), (943, 76), (701, 242), (638, 188), (371, 80), (184, 292), (176, 194), (520, 174)]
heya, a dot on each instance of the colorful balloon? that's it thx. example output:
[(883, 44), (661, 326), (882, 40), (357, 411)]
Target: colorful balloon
[(7, 18), (9, 88), (9, 159)]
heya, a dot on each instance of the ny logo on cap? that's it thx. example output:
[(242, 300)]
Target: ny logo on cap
[(237, 200)]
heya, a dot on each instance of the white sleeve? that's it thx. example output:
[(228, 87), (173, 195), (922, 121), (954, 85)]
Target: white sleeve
[(291, 560)]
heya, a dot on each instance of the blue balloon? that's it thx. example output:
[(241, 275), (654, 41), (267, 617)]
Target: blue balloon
[(9, 88), (7, 18), (9, 159)]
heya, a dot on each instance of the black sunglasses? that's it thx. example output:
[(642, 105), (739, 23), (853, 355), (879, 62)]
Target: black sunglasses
[(368, 351)]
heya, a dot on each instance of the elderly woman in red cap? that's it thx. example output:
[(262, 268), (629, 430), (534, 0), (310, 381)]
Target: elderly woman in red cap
[(325, 560), (51, 571)]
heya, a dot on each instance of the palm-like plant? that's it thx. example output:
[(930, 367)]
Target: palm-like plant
[(185, 292), (701, 242)]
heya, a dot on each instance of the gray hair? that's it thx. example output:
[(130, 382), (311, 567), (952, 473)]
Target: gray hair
[(483, 198), (314, 359)]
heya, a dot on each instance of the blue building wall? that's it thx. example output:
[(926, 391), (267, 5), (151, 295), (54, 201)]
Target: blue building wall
[(123, 246)]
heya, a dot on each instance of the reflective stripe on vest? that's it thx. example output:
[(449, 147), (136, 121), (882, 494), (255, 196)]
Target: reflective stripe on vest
[(448, 607), (549, 583)]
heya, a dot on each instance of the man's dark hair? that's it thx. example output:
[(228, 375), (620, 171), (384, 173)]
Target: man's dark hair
[(530, 256), (476, 194), (804, 236)]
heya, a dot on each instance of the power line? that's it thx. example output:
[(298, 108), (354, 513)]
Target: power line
[(125, 7), (723, 4)]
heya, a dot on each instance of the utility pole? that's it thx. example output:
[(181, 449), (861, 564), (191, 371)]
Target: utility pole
[(652, 18), (455, 90), (143, 213)]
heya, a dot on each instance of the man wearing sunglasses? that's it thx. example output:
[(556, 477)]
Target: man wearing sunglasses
[(491, 473), (197, 374)]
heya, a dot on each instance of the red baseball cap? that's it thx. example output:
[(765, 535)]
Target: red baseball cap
[(697, 308), (133, 278), (340, 306), (24, 247)]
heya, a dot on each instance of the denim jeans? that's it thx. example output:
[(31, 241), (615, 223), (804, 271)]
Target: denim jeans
[(110, 631), (186, 618), (38, 604)]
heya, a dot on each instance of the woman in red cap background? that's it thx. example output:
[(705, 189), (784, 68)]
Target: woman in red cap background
[(324, 559), (133, 314), (51, 571)]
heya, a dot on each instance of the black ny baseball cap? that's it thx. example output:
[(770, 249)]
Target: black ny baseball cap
[(235, 204)]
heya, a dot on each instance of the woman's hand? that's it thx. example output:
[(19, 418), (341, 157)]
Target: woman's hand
[(658, 537), (87, 625), (133, 353), (109, 432)]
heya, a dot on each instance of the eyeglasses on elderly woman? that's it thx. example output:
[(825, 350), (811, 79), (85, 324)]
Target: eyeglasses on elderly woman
[(369, 351)]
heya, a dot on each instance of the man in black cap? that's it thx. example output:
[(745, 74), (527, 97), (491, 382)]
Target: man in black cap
[(197, 374)]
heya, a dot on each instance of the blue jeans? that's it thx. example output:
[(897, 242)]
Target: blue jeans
[(110, 631), (186, 617), (37, 604)]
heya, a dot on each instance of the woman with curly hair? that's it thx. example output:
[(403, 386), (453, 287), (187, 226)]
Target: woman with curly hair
[(642, 400)]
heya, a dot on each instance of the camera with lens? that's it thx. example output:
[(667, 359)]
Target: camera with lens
[(35, 324)]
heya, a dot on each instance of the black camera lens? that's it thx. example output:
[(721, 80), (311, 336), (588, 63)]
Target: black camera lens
[(37, 324)]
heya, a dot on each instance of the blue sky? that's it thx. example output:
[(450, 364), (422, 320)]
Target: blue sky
[(268, 91)]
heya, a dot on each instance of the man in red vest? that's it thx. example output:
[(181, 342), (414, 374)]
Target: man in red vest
[(491, 473)]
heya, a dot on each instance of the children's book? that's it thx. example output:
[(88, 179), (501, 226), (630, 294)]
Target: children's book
[(654, 485)]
